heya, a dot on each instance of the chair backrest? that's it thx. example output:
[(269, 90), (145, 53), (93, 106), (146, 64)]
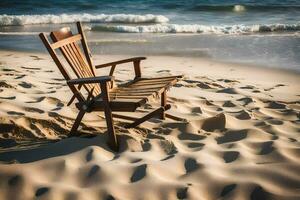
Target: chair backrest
[(80, 63)]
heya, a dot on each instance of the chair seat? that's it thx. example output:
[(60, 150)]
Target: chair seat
[(128, 97)]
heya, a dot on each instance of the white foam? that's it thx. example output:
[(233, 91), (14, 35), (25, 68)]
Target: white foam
[(239, 8), (195, 28), (19, 33), (9, 20)]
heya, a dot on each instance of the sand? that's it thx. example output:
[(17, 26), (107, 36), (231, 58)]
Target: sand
[(240, 141)]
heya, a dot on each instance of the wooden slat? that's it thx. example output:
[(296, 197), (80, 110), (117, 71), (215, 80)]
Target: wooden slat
[(65, 41), (120, 62), (128, 97), (76, 69), (74, 57), (60, 65), (146, 117), (115, 115), (153, 83), (85, 66), (132, 93), (86, 49), (163, 77)]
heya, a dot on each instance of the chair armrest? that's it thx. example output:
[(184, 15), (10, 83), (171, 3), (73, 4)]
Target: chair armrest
[(97, 79), (120, 62)]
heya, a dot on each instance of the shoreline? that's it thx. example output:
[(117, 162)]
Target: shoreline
[(247, 66), (267, 51)]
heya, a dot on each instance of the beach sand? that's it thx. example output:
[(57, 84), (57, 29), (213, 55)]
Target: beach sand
[(241, 140)]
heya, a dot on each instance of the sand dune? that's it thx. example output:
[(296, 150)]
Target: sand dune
[(240, 140)]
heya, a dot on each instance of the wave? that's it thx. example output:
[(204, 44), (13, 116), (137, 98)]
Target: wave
[(19, 33), (19, 20), (237, 7), (195, 28)]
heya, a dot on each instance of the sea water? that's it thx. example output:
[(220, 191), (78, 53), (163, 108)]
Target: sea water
[(265, 32)]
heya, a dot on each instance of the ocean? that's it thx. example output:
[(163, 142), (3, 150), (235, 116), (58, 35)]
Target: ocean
[(264, 33)]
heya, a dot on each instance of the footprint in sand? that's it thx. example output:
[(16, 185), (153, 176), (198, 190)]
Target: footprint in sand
[(247, 87), (266, 148), (243, 115), (3, 84), (21, 76), (9, 74), (255, 91), (108, 197), (272, 88), (260, 123), (259, 193), (15, 180), (292, 140), (191, 165), (228, 91), (9, 70), (196, 110), (58, 79), (34, 110), (190, 81), (190, 136), (245, 100), (15, 113), (89, 155), (40, 99), (36, 57), (230, 156), (195, 145), (203, 85), (228, 104), (31, 68), (275, 105), (274, 122), (182, 193), (139, 173), (8, 98), (41, 191), (135, 160), (93, 171), (160, 71), (232, 136), (25, 85), (213, 123), (228, 81), (228, 189)]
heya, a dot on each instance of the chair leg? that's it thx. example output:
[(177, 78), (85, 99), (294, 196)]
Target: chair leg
[(163, 103), (77, 122), (112, 138), (157, 112)]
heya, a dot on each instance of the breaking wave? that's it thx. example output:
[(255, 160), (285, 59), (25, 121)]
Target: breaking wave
[(238, 7), (195, 28), (19, 20)]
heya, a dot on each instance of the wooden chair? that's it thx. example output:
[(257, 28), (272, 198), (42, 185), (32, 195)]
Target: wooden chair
[(103, 95)]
